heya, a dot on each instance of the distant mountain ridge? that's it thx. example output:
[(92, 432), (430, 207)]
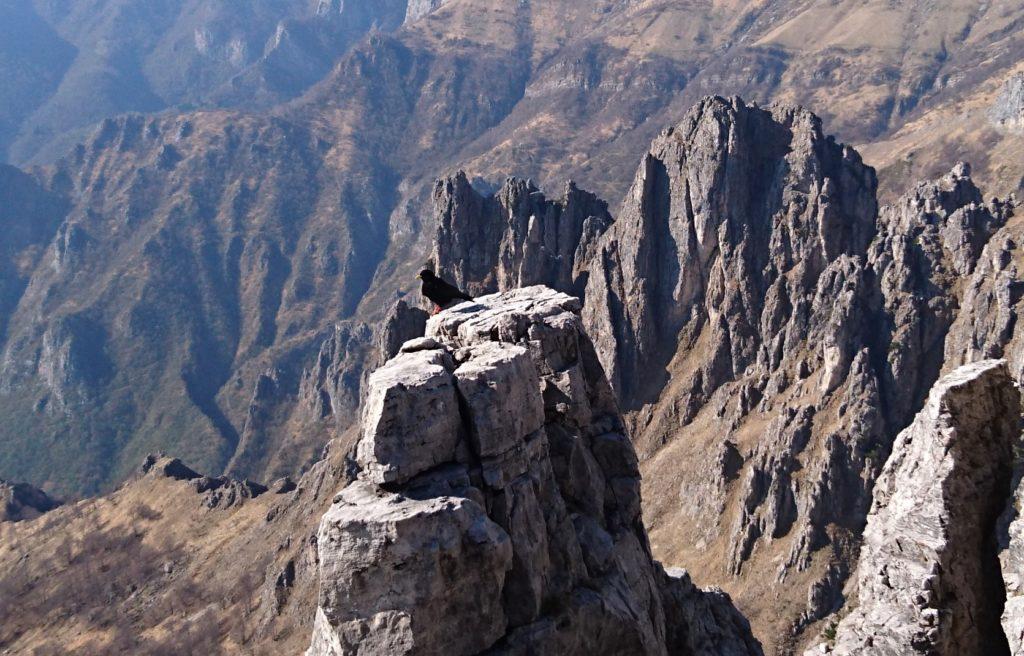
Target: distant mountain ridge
[(214, 236), (74, 63), (297, 205)]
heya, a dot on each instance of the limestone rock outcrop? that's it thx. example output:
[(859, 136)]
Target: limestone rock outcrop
[(752, 301), (404, 322), (29, 218), (498, 506), (987, 325), (731, 305), (334, 384), (928, 241), (331, 385), (73, 362), (417, 9), (21, 501), (1011, 560), (214, 491), (928, 579), (733, 217), (516, 237), (1008, 109)]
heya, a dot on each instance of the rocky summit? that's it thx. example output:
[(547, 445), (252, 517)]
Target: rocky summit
[(731, 385), (497, 481)]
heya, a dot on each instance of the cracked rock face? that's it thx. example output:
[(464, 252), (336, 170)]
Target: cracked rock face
[(730, 304), (753, 306), (498, 506), (516, 237), (733, 217), (929, 240), (410, 418), (389, 567), (1011, 559), (928, 578), (987, 325), (404, 322), (1008, 109)]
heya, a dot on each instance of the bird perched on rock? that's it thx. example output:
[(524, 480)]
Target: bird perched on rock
[(442, 294)]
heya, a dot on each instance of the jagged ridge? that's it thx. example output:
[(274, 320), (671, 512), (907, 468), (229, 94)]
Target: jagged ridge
[(756, 309)]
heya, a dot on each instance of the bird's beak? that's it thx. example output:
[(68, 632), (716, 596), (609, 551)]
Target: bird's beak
[(419, 276)]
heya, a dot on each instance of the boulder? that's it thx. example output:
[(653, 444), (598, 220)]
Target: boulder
[(410, 418), (395, 572), (21, 501)]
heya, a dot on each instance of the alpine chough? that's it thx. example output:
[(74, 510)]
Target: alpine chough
[(442, 294)]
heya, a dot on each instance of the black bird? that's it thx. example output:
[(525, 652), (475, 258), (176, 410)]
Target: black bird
[(442, 294)]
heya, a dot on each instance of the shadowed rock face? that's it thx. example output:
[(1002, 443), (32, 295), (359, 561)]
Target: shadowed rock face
[(516, 237), (29, 218), (1010, 534), (987, 325), (928, 579), (19, 501), (498, 507), (929, 241)]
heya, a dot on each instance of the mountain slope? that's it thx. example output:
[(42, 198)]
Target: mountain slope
[(189, 253), (107, 57), (29, 219), (171, 562)]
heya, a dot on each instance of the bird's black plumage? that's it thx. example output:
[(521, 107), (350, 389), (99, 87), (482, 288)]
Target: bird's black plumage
[(440, 292)]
